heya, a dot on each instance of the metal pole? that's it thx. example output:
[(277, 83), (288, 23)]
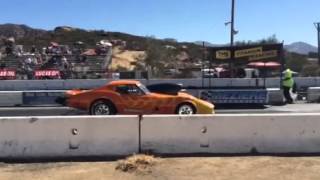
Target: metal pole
[(318, 29), (317, 25), (232, 38), (203, 65), (282, 64), (232, 25)]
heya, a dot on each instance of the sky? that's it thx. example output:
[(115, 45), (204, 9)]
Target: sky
[(184, 20)]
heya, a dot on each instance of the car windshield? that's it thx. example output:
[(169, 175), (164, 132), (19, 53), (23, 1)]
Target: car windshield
[(143, 88)]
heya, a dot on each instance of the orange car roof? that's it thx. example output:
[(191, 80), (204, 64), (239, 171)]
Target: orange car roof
[(120, 82)]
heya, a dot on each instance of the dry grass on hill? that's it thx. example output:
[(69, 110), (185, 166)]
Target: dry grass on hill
[(124, 59)]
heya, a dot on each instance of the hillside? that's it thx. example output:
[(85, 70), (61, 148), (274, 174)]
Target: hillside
[(20, 31), (165, 53), (301, 48), (124, 59), (68, 35), (135, 46)]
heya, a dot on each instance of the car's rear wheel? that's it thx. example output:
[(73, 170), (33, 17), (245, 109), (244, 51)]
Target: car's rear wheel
[(186, 109), (102, 107)]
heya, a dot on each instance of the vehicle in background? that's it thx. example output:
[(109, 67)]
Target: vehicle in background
[(252, 73)]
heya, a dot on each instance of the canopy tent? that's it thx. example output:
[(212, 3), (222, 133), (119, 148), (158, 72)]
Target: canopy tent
[(54, 44), (270, 64), (90, 52), (104, 43), (78, 43)]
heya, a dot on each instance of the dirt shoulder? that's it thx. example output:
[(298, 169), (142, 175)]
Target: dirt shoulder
[(221, 168)]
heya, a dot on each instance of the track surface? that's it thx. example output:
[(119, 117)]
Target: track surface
[(222, 168), (65, 111)]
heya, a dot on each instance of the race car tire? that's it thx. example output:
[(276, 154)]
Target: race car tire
[(186, 109), (102, 107)]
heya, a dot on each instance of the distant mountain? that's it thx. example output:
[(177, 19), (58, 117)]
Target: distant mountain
[(301, 48), (207, 44), (19, 31)]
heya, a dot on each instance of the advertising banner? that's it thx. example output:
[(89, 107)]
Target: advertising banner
[(47, 73), (263, 52), (224, 96), (7, 73), (41, 97)]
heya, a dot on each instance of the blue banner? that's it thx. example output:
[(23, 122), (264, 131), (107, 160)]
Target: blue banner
[(225, 96)]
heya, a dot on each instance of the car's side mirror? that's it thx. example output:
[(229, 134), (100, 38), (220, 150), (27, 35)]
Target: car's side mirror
[(123, 90)]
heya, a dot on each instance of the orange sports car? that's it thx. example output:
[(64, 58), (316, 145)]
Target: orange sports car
[(132, 97)]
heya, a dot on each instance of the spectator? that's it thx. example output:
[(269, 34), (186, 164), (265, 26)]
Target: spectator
[(241, 73), (2, 66), (47, 50), (254, 74), (39, 60), (33, 49), (288, 84), (65, 63), (28, 61)]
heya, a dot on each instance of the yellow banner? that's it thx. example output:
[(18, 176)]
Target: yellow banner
[(248, 52), (264, 55), (223, 54)]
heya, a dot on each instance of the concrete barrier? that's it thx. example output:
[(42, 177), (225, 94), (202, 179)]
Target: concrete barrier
[(184, 82), (275, 96), (313, 94), (272, 82), (84, 84), (58, 137), (33, 98), (9, 98), (263, 133), (307, 82), (20, 85), (66, 137)]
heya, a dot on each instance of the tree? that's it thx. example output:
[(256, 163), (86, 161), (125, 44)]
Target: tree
[(310, 70), (157, 57), (295, 61), (171, 40), (269, 40)]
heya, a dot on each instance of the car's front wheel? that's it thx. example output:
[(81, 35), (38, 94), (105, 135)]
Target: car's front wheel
[(186, 109), (102, 107)]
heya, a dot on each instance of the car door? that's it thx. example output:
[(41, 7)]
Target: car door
[(134, 100)]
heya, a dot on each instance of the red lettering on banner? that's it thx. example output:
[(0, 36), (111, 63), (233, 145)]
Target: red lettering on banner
[(7, 73), (50, 73)]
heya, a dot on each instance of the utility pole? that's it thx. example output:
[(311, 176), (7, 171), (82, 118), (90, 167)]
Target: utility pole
[(317, 25), (232, 32)]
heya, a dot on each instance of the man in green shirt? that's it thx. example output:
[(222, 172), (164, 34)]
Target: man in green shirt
[(287, 85)]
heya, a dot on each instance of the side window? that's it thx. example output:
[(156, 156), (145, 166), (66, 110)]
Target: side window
[(129, 89), (135, 90), (122, 89)]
